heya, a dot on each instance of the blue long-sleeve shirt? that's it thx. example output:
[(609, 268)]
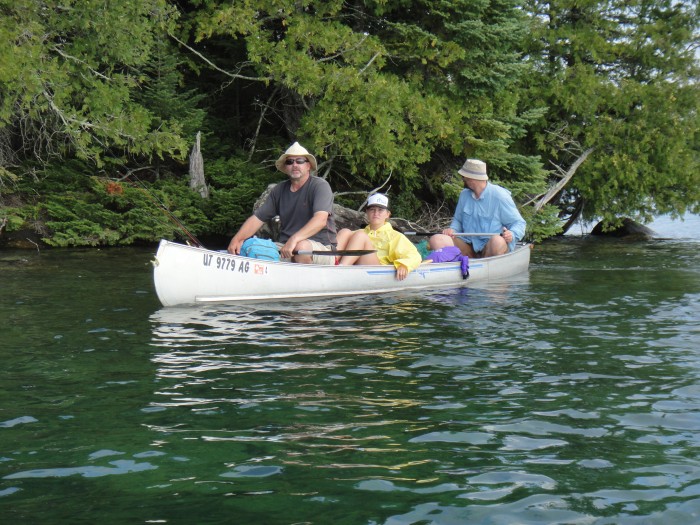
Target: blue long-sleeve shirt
[(487, 214)]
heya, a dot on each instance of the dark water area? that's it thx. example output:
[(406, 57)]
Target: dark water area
[(567, 395)]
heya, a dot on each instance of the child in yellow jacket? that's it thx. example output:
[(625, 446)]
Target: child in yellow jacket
[(392, 247)]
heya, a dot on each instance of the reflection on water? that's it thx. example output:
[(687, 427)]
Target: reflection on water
[(570, 395)]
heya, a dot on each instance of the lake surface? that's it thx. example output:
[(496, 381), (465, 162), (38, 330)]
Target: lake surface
[(570, 395)]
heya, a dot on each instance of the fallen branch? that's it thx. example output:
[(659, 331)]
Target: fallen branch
[(35, 244), (563, 182)]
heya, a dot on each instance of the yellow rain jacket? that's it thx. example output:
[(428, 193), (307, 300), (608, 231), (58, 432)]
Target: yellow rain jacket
[(394, 247)]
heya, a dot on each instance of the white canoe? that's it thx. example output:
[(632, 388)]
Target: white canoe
[(188, 275)]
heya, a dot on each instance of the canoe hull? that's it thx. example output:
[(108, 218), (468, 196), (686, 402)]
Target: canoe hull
[(188, 275)]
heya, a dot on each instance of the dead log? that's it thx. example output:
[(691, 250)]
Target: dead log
[(556, 188), (197, 181)]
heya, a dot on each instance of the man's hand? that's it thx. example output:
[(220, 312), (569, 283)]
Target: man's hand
[(250, 226), (507, 235), (234, 247), (287, 251)]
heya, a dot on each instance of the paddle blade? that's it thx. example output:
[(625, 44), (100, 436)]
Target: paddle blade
[(351, 252)]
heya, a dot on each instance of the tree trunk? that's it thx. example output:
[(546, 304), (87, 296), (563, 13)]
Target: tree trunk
[(578, 209)]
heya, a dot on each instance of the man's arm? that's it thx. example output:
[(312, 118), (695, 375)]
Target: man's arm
[(456, 224), (316, 224), (249, 228), (518, 228), (514, 221)]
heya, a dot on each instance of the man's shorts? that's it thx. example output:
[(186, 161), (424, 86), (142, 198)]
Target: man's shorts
[(316, 259)]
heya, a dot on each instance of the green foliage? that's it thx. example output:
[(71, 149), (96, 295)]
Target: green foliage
[(12, 218), (99, 218), (82, 210), (7, 178), (162, 93), (237, 184), (542, 224), (69, 73), (75, 222), (377, 90), (388, 132), (405, 204), (621, 78), (163, 209)]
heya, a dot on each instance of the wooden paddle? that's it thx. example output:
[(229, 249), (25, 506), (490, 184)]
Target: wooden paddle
[(456, 234)]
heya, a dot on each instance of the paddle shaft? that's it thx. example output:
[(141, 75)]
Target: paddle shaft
[(458, 234), (338, 253), (333, 252)]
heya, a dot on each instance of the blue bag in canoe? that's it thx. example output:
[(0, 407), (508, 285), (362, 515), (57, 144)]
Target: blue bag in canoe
[(260, 249)]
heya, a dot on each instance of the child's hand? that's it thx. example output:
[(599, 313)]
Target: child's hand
[(401, 272)]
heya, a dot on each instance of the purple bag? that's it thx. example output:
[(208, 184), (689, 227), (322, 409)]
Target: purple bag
[(451, 254)]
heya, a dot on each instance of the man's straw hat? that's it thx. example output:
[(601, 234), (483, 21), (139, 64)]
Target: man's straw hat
[(474, 169), (295, 150)]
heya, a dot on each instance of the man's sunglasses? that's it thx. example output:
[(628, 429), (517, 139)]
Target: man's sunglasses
[(289, 162)]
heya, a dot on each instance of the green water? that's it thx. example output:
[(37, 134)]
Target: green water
[(571, 395)]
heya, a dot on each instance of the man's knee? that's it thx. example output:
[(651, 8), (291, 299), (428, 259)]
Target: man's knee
[(496, 246), (304, 245)]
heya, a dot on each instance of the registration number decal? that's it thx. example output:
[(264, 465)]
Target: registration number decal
[(228, 264)]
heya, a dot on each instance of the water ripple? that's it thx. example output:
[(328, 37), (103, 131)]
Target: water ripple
[(570, 396)]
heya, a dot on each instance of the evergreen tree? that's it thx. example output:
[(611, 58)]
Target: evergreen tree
[(163, 93), (380, 88), (69, 71), (621, 78)]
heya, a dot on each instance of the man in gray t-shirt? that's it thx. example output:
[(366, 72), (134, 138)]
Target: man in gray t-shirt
[(304, 204)]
